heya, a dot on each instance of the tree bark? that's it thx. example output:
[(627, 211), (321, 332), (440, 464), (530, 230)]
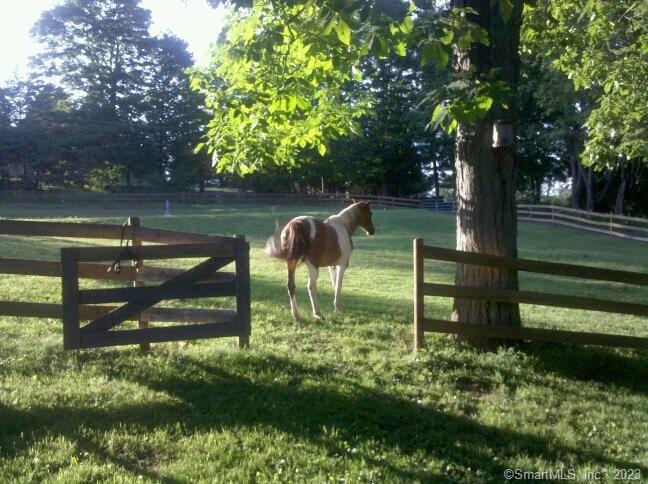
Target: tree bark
[(589, 189), (575, 169), (486, 216), (620, 196), (435, 177)]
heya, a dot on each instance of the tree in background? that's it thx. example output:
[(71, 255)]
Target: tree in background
[(129, 105), (601, 46)]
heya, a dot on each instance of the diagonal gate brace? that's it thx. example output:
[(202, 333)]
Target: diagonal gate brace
[(146, 300)]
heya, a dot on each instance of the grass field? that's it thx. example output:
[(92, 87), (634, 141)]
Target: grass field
[(341, 399)]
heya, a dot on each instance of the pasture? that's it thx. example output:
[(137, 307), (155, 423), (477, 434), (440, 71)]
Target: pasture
[(343, 399)]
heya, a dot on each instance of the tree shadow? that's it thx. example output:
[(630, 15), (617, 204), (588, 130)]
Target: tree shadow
[(307, 403), (607, 366)]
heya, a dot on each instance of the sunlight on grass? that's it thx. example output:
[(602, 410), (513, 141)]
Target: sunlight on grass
[(340, 399)]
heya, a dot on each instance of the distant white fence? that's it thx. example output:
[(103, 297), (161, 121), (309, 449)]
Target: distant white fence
[(634, 228)]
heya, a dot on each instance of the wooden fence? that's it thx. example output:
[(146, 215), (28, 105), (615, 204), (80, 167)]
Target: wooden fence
[(203, 280), (634, 228), (422, 289)]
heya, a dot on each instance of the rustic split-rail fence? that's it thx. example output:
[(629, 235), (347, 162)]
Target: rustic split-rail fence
[(424, 324), (126, 263), (635, 228)]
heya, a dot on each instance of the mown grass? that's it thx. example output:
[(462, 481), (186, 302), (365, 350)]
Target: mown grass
[(342, 399)]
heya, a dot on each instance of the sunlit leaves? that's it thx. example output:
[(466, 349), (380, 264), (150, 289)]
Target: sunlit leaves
[(280, 92), (343, 31), (601, 46)]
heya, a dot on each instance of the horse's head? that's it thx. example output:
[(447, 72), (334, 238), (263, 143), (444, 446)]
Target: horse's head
[(363, 209)]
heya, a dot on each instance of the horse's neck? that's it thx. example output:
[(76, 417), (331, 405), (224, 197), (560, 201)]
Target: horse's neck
[(346, 217)]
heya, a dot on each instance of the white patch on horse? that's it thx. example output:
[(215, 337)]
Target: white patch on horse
[(311, 222), (344, 242)]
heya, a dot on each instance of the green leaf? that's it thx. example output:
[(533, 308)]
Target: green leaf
[(382, 50), (321, 149), (447, 36), (407, 26), (465, 41), (506, 9), (437, 115), (331, 25), (400, 50), (292, 103), (437, 53), (343, 32), (356, 73), (199, 147), (484, 103)]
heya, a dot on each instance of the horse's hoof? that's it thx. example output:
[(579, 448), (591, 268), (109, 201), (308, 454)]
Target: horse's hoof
[(318, 316)]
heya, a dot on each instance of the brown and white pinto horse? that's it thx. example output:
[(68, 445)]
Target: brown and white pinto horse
[(320, 244)]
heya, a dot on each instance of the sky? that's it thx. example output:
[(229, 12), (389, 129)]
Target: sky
[(192, 20)]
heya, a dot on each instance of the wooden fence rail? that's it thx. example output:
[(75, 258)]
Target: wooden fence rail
[(422, 289), (634, 228), (204, 280)]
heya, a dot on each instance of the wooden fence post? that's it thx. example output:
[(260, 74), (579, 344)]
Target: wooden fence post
[(70, 296), (134, 224), (243, 311), (418, 294)]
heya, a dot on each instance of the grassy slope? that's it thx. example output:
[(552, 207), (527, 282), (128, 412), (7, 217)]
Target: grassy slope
[(343, 398)]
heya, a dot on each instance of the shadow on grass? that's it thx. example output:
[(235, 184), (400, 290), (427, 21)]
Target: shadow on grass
[(605, 366), (307, 404)]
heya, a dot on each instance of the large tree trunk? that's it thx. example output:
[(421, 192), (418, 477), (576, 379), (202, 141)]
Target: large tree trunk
[(620, 196), (486, 217), (589, 188), (435, 178), (575, 169)]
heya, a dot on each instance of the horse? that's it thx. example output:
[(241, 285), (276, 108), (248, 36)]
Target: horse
[(319, 244)]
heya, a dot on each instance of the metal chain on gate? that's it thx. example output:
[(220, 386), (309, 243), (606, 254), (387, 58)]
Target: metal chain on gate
[(125, 253)]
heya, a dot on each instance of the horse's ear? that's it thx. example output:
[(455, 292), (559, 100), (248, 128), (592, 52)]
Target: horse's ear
[(368, 203), (353, 200)]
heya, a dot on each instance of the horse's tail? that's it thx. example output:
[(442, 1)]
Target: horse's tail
[(293, 246)]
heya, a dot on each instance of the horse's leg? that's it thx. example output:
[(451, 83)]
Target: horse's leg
[(337, 303), (313, 275), (332, 273), (291, 290)]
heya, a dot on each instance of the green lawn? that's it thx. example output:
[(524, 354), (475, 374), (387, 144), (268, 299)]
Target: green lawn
[(342, 399)]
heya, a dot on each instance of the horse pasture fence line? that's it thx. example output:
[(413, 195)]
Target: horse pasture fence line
[(423, 324), (634, 228), (105, 263)]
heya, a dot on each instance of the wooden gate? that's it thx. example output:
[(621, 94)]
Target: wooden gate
[(204, 280)]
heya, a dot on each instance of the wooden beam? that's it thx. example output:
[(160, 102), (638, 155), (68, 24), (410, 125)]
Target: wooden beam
[(243, 297), (536, 266), (161, 274), (533, 334), (133, 307), (143, 293), (28, 267), (418, 294), (28, 309), (176, 251), (70, 297), (60, 229), (90, 339), (539, 298)]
